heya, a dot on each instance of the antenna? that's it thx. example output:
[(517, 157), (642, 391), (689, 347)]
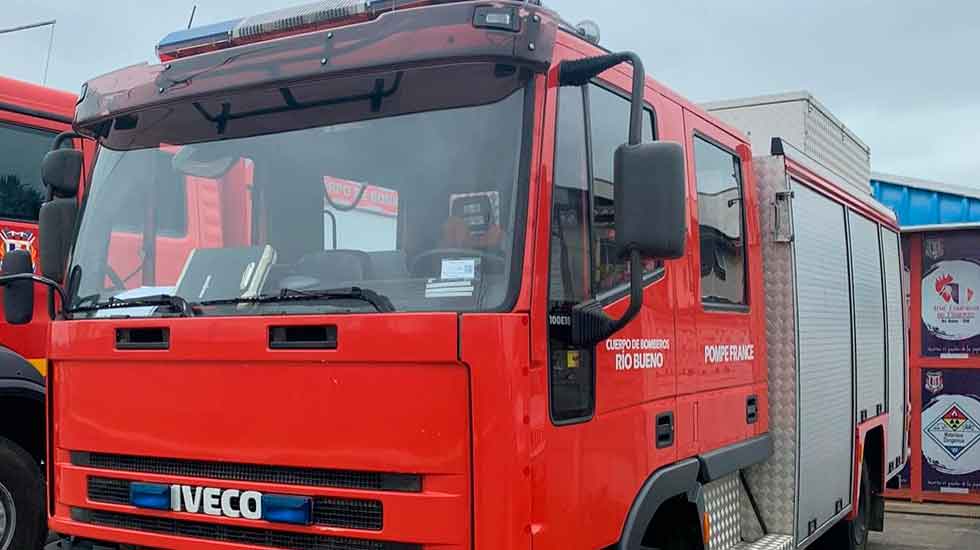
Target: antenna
[(47, 62), (37, 25), (193, 13)]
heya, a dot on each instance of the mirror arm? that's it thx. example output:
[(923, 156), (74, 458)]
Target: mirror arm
[(579, 72), (591, 325), (7, 279)]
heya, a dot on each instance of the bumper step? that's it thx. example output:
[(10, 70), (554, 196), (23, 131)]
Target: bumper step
[(768, 542)]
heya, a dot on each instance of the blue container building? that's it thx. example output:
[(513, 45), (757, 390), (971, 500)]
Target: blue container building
[(921, 202)]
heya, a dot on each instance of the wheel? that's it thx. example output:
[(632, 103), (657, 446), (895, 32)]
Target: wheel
[(684, 538), (853, 534), (22, 518)]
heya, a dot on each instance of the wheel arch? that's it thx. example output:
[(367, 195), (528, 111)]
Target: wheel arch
[(871, 438), (22, 399), (687, 479), (667, 483)]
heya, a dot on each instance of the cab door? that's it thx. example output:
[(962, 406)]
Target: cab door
[(726, 355), (610, 407), (25, 137)]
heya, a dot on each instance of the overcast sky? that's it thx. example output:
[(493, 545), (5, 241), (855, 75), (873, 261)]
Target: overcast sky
[(901, 74)]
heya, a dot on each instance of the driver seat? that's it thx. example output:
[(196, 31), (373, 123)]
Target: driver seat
[(470, 225)]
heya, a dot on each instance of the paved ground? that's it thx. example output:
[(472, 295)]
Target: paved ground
[(904, 531)]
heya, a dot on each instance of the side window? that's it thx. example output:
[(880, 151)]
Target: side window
[(609, 115), (21, 190), (572, 372), (720, 215)]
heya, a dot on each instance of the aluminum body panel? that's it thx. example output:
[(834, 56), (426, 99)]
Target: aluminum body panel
[(869, 316), (721, 502), (897, 369), (774, 482), (826, 414), (804, 122), (769, 542)]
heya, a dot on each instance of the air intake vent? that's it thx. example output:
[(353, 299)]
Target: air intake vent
[(228, 533), (256, 473), (345, 513)]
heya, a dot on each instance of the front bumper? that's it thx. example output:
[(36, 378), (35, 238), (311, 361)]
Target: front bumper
[(74, 543)]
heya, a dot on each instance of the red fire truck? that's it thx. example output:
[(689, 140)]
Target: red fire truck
[(30, 118), (439, 274)]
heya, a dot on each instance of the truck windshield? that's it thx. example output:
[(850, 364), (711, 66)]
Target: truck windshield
[(389, 192)]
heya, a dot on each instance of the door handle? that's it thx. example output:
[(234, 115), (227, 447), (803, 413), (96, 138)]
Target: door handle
[(665, 430)]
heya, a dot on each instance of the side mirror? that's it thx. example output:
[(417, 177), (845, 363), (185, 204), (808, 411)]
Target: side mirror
[(651, 199), (60, 170), (18, 296), (651, 205)]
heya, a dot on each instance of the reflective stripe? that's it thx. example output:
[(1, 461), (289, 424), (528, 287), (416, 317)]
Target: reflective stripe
[(40, 364)]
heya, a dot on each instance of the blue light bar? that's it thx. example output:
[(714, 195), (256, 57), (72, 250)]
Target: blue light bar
[(149, 495), (206, 36), (287, 19), (237, 31), (287, 509)]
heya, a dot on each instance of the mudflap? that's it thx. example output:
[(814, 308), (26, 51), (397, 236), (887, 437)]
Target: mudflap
[(876, 519)]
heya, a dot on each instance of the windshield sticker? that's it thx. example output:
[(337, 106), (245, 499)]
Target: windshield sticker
[(453, 270), (436, 288), (638, 353)]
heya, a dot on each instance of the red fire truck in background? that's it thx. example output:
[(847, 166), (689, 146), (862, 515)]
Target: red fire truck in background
[(446, 274), (30, 118)]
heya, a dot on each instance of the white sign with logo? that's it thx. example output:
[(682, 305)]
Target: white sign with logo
[(951, 434), (951, 300)]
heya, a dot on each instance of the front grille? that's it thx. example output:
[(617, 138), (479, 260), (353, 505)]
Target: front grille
[(349, 513), (255, 473), (110, 491), (345, 513), (229, 533)]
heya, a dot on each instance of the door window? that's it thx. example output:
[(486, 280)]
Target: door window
[(584, 260), (21, 152), (720, 215)]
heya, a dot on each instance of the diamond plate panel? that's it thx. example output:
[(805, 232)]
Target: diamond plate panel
[(721, 502), (774, 482), (769, 542)]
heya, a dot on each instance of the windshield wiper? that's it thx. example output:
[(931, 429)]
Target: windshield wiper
[(176, 304), (380, 302)]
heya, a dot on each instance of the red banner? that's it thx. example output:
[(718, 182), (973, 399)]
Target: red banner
[(376, 199)]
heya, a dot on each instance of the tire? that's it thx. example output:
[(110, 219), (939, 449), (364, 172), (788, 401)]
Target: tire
[(686, 536), (853, 534), (23, 524)]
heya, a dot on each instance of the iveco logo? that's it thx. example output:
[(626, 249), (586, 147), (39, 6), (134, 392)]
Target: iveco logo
[(229, 503)]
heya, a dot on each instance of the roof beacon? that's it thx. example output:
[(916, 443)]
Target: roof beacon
[(589, 31)]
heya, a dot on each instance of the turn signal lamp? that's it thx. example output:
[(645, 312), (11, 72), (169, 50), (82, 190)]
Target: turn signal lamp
[(302, 19)]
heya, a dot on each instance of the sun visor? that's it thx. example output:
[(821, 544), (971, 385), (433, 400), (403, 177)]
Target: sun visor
[(440, 33)]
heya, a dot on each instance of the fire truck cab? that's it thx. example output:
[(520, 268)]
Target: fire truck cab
[(31, 117), (462, 279)]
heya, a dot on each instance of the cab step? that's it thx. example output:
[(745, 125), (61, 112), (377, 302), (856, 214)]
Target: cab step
[(768, 542)]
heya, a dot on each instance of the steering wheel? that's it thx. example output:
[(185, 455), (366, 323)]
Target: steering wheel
[(494, 262)]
